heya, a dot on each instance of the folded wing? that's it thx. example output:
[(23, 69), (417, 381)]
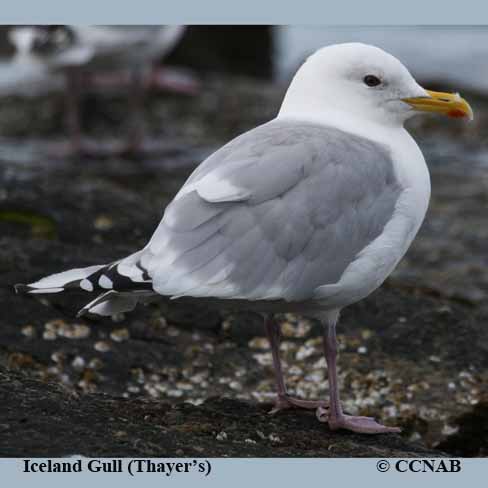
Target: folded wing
[(274, 214)]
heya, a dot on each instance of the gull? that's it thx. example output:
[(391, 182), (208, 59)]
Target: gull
[(307, 213), (76, 50)]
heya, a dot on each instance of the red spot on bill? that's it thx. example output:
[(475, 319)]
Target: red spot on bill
[(456, 113)]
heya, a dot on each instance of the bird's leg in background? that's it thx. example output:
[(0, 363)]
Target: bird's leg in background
[(74, 144), (274, 337), (283, 401), (336, 417)]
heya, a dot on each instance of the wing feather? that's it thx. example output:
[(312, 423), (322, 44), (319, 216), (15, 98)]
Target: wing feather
[(274, 214)]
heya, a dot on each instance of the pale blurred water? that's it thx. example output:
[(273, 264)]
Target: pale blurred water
[(456, 56)]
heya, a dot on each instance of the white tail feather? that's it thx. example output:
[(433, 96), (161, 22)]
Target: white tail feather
[(59, 280), (112, 302)]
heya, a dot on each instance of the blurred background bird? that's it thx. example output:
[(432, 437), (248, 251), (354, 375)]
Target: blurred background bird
[(107, 56)]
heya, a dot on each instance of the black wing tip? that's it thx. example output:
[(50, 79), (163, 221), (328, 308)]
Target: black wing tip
[(20, 288)]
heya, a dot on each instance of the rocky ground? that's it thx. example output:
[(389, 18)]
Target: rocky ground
[(48, 420), (415, 353)]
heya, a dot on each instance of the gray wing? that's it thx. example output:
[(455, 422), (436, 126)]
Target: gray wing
[(274, 214)]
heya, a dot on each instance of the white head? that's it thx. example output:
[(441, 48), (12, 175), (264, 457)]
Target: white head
[(362, 82)]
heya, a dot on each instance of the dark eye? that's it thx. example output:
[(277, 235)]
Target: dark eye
[(371, 80)]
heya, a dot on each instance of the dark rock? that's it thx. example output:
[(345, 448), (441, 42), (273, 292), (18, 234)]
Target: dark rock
[(44, 419), (472, 437)]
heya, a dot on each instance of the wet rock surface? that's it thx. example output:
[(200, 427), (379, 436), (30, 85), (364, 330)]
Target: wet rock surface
[(415, 353)]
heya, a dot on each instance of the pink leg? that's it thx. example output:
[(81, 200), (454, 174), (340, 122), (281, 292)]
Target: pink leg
[(77, 145), (284, 400), (336, 418)]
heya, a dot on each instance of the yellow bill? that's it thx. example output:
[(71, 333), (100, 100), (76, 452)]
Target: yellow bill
[(450, 104)]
